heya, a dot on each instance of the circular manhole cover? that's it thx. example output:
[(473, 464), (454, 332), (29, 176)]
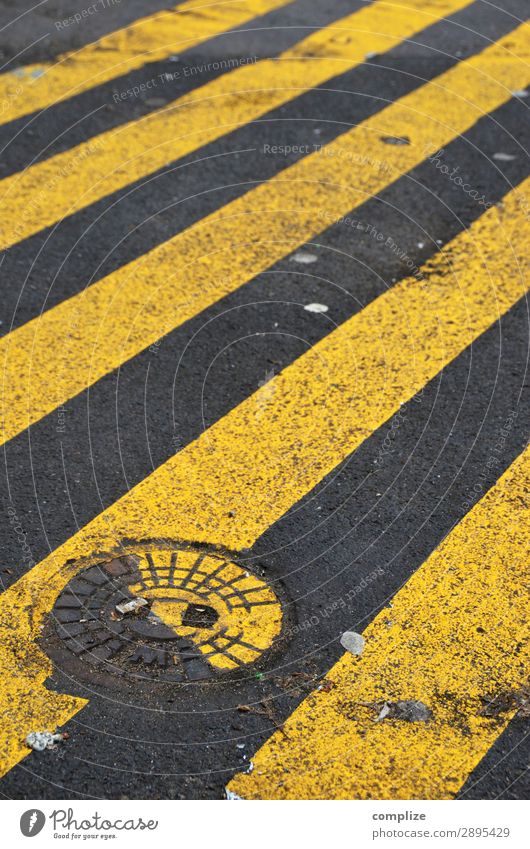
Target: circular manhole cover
[(168, 613)]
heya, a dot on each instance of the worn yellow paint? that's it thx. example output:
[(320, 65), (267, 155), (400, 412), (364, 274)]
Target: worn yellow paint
[(31, 88), (52, 358), (94, 169), (254, 617), (249, 468), (456, 635)]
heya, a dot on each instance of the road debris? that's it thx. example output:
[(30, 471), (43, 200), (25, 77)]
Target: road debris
[(519, 701), (504, 157), (298, 683), (316, 308), (132, 606), (41, 740), (409, 711), (266, 710), (352, 642), (304, 257)]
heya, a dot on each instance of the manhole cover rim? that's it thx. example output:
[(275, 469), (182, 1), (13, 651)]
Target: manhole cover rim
[(83, 662)]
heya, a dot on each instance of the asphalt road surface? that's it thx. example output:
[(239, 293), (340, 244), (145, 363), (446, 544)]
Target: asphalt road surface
[(264, 351)]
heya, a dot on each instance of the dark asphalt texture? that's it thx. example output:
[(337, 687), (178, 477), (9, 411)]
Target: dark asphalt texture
[(366, 515)]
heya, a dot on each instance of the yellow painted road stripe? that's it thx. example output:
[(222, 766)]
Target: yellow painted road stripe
[(249, 468), (52, 358), (151, 39), (457, 635), (69, 181)]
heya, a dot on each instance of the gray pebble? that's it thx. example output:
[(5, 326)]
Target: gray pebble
[(411, 711)]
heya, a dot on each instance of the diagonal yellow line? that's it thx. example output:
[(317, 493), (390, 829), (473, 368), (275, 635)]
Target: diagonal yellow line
[(151, 39), (110, 161), (249, 468), (52, 358), (455, 637)]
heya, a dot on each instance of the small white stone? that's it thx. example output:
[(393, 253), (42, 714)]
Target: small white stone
[(316, 308), (352, 642), (304, 257), (504, 157)]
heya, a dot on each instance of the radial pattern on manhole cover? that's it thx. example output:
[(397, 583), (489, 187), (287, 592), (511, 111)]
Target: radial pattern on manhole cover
[(168, 613)]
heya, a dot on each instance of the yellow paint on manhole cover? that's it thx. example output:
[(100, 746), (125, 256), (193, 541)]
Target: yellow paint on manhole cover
[(169, 613)]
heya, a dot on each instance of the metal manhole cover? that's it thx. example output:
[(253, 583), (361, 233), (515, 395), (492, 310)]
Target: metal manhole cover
[(168, 613)]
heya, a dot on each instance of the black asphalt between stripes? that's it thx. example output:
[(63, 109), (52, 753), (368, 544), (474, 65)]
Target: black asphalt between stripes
[(47, 268), (63, 125), (340, 554), (83, 458), (505, 771)]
